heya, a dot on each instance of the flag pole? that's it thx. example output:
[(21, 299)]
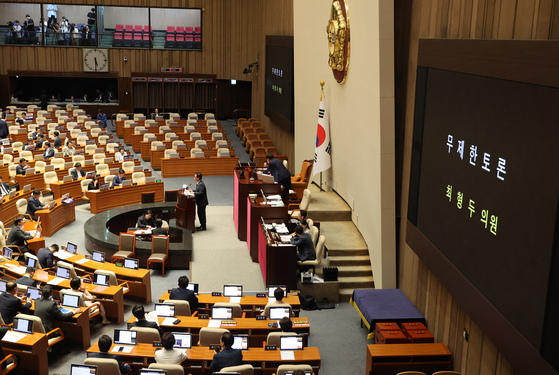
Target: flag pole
[(321, 92)]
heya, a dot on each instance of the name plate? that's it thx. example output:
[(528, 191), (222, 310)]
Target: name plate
[(261, 295), (203, 316), (261, 317), (216, 294), (270, 347)]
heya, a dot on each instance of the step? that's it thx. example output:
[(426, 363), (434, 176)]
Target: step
[(327, 206), (357, 282), (347, 252), (342, 235), (348, 271), (360, 260)]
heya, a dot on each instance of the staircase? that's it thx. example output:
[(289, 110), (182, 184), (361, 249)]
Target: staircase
[(346, 248)]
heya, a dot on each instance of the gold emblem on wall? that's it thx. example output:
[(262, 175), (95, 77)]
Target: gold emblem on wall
[(338, 40)]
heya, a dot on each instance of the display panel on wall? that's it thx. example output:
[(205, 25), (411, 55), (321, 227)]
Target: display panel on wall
[(101, 26), (279, 96), (483, 202)]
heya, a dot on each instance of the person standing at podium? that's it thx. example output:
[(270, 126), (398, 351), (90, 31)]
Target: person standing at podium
[(201, 200), (279, 172)]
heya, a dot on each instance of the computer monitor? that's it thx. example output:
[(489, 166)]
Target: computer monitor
[(83, 370), (272, 289), (291, 342), (98, 256), (152, 372), (125, 337), (29, 171), (126, 182), (100, 279), (131, 263), (182, 340), (72, 248), (70, 300), (164, 309), (278, 313), (232, 291), (31, 262), (33, 293), (222, 312), (240, 342), (193, 287), (292, 372), (3, 285), (23, 325), (90, 174), (7, 253), (63, 272), (105, 186)]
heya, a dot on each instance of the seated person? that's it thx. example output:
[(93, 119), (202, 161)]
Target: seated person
[(27, 278), (29, 143), (105, 343), (278, 302), (117, 180), (21, 120), (181, 293), (146, 220), (3, 331), (36, 133), (94, 184), (286, 325), (48, 152), (305, 247), (20, 169), (120, 154), (77, 287), (46, 257), (78, 171), (302, 216), (4, 188), (34, 204), (57, 140), (18, 236), (40, 141), (227, 356), (159, 230), (69, 149), (305, 226), (48, 311), (168, 354), (10, 305), (139, 313)]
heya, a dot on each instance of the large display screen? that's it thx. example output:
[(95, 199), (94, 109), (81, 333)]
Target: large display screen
[(488, 187), (279, 80)]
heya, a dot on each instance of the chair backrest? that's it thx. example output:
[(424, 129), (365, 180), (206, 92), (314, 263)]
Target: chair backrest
[(147, 135), (3, 232), (314, 234), (95, 132), (128, 166), (154, 144), (78, 159), (21, 205), (189, 129), (320, 246), (200, 143), (111, 147), (82, 141), (50, 177), (70, 266), (164, 127), (102, 140), (58, 162), (211, 336), (7, 158), (81, 301), (241, 369), (267, 309), (111, 274), (85, 184), (12, 170), (445, 372), (169, 151), (74, 133), (28, 155), (40, 166), (221, 144), (209, 116), (90, 149), (29, 255), (306, 201), (171, 369), (182, 308), (274, 337), (99, 158), (103, 169), (223, 153), (17, 146), (105, 366), (411, 373), (159, 244), (285, 164), (109, 179), (195, 136), (175, 143), (138, 177), (193, 116), (237, 310), (169, 135), (138, 129), (194, 150), (282, 369), (147, 335), (37, 322), (127, 242)]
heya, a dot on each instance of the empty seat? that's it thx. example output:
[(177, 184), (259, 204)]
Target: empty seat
[(170, 37), (179, 37), (197, 37), (189, 37), (138, 177), (195, 151)]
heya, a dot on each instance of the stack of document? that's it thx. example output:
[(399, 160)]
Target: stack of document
[(61, 254)]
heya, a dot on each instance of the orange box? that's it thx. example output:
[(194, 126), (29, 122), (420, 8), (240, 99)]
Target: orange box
[(391, 337), (420, 336), (386, 326), (416, 326)]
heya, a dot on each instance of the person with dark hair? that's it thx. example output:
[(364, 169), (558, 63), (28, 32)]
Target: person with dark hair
[(57, 139), (69, 149), (305, 226), (120, 154), (155, 114), (102, 119), (169, 355), (302, 215), (286, 325), (40, 140), (18, 236), (279, 172), (182, 293), (48, 152), (27, 278), (105, 342), (159, 230), (44, 99), (10, 305), (117, 180), (30, 25), (228, 356), (46, 257), (36, 133), (20, 169), (5, 113), (91, 17), (4, 188), (78, 171), (303, 241), (17, 30), (278, 302), (140, 314), (34, 204), (88, 299), (94, 184), (48, 311), (146, 220), (201, 200)]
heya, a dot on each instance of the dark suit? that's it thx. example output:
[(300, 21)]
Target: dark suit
[(185, 295), (201, 202), (47, 310), (32, 206), (305, 247), (43, 98), (46, 258), (35, 134), (4, 132), (57, 142), (24, 280), (18, 237), (226, 358), (10, 306), (75, 173), (143, 222), (280, 173), (4, 189), (124, 367), (48, 153), (20, 169), (39, 143), (117, 181), (159, 232), (145, 323)]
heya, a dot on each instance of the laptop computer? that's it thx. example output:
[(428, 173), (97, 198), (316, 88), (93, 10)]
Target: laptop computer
[(3, 285), (26, 188), (33, 293), (152, 372), (72, 248), (83, 370), (23, 325), (98, 256), (182, 340), (278, 313), (272, 289), (29, 171), (90, 174), (292, 372), (291, 342), (125, 337), (193, 287), (126, 182), (67, 178), (7, 253), (105, 186), (232, 291), (100, 279), (70, 300), (240, 342), (132, 264), (63, 272), (222, 312), (163, 309), (31, 262)]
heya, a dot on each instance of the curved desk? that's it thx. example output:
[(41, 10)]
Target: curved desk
[(102, 233)]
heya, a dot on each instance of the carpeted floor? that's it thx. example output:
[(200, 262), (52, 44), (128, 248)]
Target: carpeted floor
[(219, 258)]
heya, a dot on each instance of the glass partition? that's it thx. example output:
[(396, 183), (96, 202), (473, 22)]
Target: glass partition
[(69, 25), (20, 23)]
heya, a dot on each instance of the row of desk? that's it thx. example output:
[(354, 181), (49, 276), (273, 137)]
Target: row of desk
[(120, 128)]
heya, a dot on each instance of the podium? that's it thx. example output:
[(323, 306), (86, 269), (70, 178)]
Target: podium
[(184, 210)]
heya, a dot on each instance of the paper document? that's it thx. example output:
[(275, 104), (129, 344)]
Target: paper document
[(56, 281), (234, 299), (41, 275), (99, 289), (12, 336), (152, 317), (20, 270), (287, 355), (82, 261), (63, 254), (285, 238), (125, 349), (274, 197), (168, 321), (147, 231), (214, 323), (282, 229)]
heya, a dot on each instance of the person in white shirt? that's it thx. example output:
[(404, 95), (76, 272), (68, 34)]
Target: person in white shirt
[(51, 13), (120, 155), (168, 354), (17, 29), (88, 299)]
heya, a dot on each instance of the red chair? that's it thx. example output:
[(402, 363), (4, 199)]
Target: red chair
[(170, 38), (128, 40), (117, 40), (138, 36), (128, 29), (147, 38), (180, 37), (189, 37), (197, 38)]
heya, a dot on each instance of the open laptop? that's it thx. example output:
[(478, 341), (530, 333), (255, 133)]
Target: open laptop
[(31, 262), (193, 287), (105, 186), (33, 293), (63, 272), (67, 178), (240, 342), (222, 312), (7, 253), (126, 182), (182, 340), (90, 174), (100, 279), (131, 263), (272, 289), (278, 313), (291, 342), (23, 325), (232, 291), (70, 300), (29, 171), (291, 372), (163, 309), (98, 256), (83, 370), (152, 371), (3, 285), (72, 248), (125, 337)]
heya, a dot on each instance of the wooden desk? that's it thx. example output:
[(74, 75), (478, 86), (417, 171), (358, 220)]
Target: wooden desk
[(248, 303), (33, 352), (395, 358), (199, 358), (278, 262), (123, 196), (8, 209), (53, 220), (208, 166), (145, 146), (256, 210), (35, 243), (157, 155), (138, 146)]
